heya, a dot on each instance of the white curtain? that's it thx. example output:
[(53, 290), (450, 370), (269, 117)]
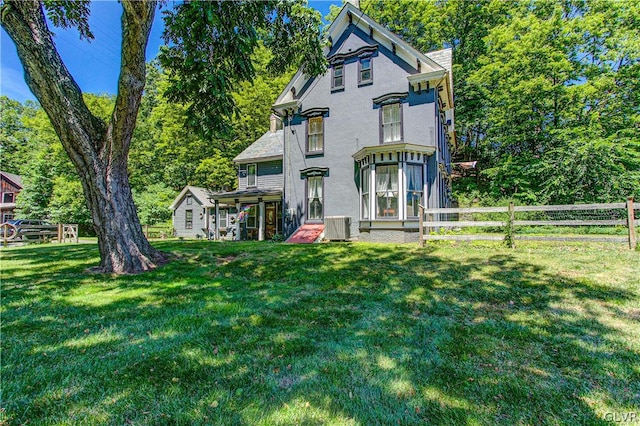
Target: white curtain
[(387, 191), (391, 122), (315, 188), (414, 178), (315, 198)]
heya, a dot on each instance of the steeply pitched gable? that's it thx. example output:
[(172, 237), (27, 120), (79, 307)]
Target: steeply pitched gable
[(434, 68)]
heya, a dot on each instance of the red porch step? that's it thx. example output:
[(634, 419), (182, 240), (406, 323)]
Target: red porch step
[(306, 234)]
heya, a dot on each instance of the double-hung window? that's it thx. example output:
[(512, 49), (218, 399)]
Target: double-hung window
[(314, 198), (414, 189), (365, 189), (337, 77), (315, 135), (188, 219), (387, 191), (391, 123), (222, 223), (251, 174), (365, 74)]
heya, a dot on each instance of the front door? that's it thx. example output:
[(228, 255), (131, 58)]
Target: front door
[(271, 221)]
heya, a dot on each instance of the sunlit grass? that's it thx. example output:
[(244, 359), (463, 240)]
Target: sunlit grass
[(344, 334)]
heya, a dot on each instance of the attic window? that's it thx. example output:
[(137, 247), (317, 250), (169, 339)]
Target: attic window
[(189, 200), (337, 77), (365, 71)]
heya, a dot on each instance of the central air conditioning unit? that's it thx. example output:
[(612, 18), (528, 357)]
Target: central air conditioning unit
[(337, 228)]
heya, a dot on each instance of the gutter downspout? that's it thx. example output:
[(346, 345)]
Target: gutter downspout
[(285, 171)]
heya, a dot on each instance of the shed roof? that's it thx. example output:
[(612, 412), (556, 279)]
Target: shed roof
[(269, 146)]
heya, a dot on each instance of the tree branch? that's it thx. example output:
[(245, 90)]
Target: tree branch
[(50, 81), (136, 26)]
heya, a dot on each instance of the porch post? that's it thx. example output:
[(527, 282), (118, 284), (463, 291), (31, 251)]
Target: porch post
[(402, 194), (238, 228), (216, 231), (373, 195), (261, 219)]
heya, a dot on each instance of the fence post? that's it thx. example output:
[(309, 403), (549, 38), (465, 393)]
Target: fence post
[(421, 225), (510, 227), (59, 233), (631, 224)]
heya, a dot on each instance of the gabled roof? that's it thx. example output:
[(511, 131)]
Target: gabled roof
[(269, 146), (15, 179), (201, 194), (432, 67)]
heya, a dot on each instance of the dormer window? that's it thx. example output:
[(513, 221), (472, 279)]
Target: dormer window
[(337, 77), (365, 72)]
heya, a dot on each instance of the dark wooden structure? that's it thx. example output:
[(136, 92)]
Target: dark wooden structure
[(10, 186)]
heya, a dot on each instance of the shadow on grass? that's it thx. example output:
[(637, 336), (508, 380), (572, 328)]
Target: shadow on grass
[(344, 334)]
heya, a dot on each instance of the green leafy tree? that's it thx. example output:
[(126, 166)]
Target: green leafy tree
[(153, 203), (561, 104), (12, 134), (67, 204)]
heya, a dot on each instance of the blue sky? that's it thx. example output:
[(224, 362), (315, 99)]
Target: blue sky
[(94, 65)]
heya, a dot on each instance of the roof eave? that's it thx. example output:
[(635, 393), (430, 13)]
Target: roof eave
[(256, 159), (394, 147)]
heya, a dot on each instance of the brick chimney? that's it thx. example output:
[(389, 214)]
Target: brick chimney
[(273, 123)]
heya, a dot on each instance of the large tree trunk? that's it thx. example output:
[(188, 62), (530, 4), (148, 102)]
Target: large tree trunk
[(98, 150)]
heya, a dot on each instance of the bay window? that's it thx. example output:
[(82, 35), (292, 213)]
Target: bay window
[(365, 189), (387, 191), (414, 189)]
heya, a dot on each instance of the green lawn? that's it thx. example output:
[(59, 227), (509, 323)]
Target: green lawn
[(349, 334)]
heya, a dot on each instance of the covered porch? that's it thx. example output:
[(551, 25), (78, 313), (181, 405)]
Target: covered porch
[(251, 214)]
